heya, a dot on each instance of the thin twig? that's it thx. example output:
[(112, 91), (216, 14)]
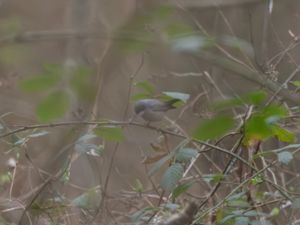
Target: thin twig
[(234, 190), (284, 84), (231, 162), (123, 123), (57, 35), (255, 77), (132, 77)]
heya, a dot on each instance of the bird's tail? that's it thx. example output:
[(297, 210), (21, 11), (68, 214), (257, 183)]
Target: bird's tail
[(170, 103)]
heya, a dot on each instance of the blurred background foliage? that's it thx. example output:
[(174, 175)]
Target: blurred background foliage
[(74, 153)]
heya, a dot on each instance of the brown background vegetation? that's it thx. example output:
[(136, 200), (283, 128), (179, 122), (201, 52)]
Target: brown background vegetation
[(248, 20)]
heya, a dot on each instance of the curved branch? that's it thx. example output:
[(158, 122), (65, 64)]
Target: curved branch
[(127, 123), (252, 76)]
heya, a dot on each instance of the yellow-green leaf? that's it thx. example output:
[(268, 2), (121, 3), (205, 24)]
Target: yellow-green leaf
[(89, 199), (255, 98), (110, 133), (213, 128), (180, 189), (53, 106), (82, 85), (257, 128), (295, 83), (140, 96), (13, 54), (284, 135), (39, 83), (10, 26), (146, 86)]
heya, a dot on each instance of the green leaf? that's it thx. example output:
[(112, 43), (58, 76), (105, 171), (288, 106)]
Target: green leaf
[(180, 189), (110, 133), (39, 83), (238, 203), (162, 12), (142, 213), (296, 203), (257, 179), (81, 83), (53, 69), (253, 213), (234, 42), (254, 98), (220, 214), (285, 157), (89, 199), (53, 106), (160, 163), (13, 54), (52, 74), (295, 83), (10, 26), (138, 186), (172, 175), (258, 222), (138, 43), (241, 221), (257, 128), (140, 96), (284, 135), (236, 196), (215, 178), (175, 30), (259, 196), (213, 128), (178, 95), (262, 124), (274, 111), (227, 219), (190, 43), (5, 178), (84, 71), (146, 86), (275, 211), (185, 154)]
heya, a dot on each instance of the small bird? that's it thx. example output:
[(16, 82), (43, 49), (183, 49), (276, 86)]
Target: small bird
[(152, 110)]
